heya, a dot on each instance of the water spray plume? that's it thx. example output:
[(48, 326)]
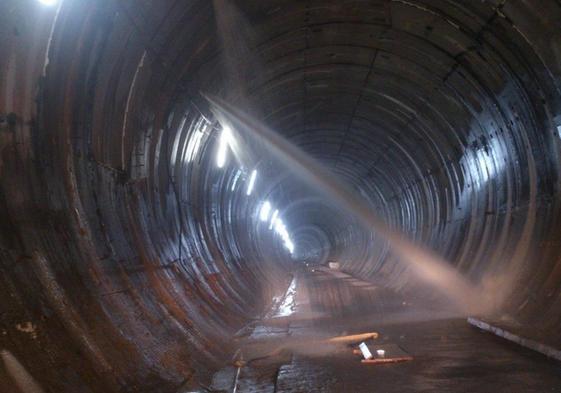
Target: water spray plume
[(425, 264), (18, 373)]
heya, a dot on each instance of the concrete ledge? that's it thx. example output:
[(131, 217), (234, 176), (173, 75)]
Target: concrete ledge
[(525, 342)]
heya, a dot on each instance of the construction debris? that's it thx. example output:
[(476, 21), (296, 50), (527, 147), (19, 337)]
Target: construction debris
[(352, 338), (388, 353), (365, 351)]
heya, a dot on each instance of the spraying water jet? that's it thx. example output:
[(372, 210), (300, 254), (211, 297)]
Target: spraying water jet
[(424, 264)]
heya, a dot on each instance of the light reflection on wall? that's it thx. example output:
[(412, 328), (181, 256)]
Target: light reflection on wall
[(484, 163), (195, 140)]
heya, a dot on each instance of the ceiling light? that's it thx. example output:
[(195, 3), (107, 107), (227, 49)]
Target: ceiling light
[(274, 218), (251, 182), (289, 245), (265, 210)]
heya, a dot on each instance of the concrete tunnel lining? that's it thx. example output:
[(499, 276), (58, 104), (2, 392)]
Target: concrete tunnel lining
[(134, 262)]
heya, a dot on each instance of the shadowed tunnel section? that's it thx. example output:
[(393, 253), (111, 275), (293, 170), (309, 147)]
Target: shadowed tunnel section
[(129, 257)]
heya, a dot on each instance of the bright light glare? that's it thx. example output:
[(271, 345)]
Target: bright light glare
[(251, 182), (48, 2), (225, 138), (274, 218), (287, 306), (265, 210)]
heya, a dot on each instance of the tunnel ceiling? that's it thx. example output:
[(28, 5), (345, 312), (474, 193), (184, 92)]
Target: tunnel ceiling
[(129, 254)]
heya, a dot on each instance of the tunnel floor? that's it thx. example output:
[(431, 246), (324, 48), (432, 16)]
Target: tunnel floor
[(283, 352)]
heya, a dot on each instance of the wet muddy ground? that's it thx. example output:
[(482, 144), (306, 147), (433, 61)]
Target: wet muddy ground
[(288, 351)]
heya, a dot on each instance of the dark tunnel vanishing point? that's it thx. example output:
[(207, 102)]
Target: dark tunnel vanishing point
[(129, 255)]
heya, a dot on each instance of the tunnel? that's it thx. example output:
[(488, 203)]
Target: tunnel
[(142, 234)]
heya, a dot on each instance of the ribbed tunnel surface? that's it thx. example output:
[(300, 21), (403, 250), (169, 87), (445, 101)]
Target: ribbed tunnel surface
[(132, 247)]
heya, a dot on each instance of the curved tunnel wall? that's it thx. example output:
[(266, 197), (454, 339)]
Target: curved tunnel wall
[(445, 117), (128, 256)]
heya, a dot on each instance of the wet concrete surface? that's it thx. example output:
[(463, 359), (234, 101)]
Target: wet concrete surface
[(286, 351)]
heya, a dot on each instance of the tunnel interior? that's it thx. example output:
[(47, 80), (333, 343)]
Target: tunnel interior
[(139, 233)]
